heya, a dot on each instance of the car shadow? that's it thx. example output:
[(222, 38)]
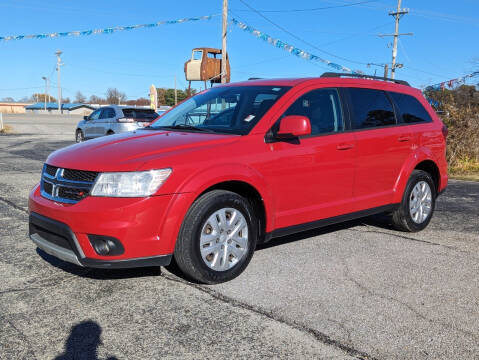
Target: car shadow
[(99, 274), (83, 342), (378, 221)]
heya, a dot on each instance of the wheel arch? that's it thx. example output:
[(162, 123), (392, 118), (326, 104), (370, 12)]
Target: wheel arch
[(419, 160), (250, 193)]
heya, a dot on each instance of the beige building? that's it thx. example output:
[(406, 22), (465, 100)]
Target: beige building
[(13, 108)]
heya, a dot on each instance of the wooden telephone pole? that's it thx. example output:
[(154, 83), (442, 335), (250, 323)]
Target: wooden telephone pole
[(397, 15), (223, 45)]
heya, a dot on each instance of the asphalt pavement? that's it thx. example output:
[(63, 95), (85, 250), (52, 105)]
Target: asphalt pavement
[(355, 290)]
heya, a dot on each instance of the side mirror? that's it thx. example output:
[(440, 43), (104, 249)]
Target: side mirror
[(293, 126), (85, 117)]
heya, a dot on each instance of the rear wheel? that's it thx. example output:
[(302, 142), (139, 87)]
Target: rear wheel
[(79, 136), (417, 205), (217, 238)]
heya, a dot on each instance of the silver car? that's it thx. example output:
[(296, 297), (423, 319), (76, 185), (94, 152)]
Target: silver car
[(113, 119)]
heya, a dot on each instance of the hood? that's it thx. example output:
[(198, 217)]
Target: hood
[(128, 151)]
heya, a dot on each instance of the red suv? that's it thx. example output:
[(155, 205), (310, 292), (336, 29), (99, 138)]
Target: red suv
[(239, 164)]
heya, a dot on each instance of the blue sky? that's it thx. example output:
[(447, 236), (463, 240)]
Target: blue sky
[(443, 47)]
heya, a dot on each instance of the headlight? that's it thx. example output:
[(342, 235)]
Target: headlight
[(130, 184)]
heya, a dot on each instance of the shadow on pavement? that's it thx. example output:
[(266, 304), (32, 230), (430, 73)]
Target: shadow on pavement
[(83, 342), (379, 221), (99, 274)]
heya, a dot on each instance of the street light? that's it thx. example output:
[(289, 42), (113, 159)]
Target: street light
[(46, 92)]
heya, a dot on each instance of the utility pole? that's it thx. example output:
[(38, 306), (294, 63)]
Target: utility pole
[(223, 45), (397, 15), (59, 63), (176, 96), (46, 91)]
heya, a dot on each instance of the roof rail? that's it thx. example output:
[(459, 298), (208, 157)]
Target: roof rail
[(333, 75)]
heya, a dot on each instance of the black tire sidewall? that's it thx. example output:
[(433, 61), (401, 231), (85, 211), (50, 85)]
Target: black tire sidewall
[(82, 137), (194, 222), (416, 177)]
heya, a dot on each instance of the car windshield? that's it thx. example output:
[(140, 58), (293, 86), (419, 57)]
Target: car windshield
[(230, 109)]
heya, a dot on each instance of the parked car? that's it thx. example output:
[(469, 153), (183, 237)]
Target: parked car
[(111, 120), (240, 164)]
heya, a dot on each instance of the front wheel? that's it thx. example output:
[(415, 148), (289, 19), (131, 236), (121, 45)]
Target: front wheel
[(217, 238), (417, 205), (79, 136)]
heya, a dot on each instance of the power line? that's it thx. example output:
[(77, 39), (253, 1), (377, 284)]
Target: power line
[(313, 9), (299, 38)]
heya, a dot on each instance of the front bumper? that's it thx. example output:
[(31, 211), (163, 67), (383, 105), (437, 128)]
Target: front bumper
[(57, 239), (140, 225)]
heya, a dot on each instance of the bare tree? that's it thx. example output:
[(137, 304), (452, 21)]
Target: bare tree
[(115, 96), (96, 100), (80, 98)]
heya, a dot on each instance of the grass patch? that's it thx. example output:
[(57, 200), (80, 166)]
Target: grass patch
[(466, 168), (7, 129)]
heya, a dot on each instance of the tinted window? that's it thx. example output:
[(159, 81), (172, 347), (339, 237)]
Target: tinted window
[(140, 114), (371, 108), (107, 113), (322, 108), (410, 108)]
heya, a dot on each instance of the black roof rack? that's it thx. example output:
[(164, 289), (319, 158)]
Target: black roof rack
[(333, 75)]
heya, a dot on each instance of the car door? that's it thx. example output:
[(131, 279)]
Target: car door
[(382, 147), (312, 178), (104, 122), (91, 123)]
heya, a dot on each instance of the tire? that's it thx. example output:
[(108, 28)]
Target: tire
[(209, 250), (79, 136), (110, 132), (415, 219)]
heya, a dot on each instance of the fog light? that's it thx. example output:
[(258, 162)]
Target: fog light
[(105, 245)]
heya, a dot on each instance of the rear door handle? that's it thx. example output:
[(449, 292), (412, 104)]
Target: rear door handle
[(344, 146), (404, 138)]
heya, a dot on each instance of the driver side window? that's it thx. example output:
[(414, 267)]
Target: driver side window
[(95, 115), (323, 109)]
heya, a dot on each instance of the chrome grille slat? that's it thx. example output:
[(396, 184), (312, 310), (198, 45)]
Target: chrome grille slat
[(66, 185)]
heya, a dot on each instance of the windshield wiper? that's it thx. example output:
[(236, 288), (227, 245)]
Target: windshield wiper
[(180, 127)]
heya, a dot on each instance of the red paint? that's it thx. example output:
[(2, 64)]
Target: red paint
[(313, 178)]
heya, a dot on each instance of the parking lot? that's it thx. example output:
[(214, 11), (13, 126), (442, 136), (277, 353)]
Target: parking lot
[(355, 290)]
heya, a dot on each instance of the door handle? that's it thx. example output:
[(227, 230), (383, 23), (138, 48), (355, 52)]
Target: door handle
[(404, 138), (344, 146)]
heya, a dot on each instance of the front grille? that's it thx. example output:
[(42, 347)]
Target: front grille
[(66, 185), (72, 193), (79, 175), (51, 170)]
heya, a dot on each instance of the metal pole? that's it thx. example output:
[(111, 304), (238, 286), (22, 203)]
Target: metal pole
[(223, 46), (59, 63), (46, 91), (385, 70)]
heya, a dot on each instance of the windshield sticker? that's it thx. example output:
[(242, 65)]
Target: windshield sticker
[(249, 118)]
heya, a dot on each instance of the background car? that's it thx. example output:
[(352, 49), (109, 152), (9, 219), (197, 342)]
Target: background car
[(113, 119)]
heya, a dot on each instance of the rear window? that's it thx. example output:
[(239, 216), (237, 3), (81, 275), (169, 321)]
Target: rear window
[(371, 108), (140, 114), (410, 109)]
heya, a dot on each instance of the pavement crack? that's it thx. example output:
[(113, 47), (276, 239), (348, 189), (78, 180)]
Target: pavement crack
[(412, 239), (318, 335), (12, 204), (417, 313), (23, 336)]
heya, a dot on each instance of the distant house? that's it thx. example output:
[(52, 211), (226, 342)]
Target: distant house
[(12, 108), (72, 109)]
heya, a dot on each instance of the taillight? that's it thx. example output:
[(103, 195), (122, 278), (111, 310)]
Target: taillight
[(445, 131), (126, 120)]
